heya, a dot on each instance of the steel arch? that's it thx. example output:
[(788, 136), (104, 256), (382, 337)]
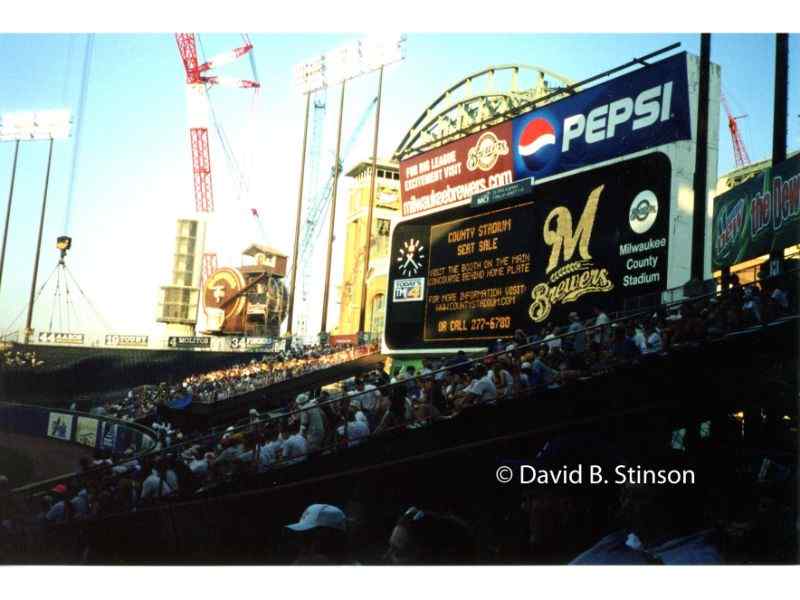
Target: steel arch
[(452, 117)]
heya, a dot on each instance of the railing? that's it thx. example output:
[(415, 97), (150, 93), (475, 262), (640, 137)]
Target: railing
[(141, 437), (256, 432)]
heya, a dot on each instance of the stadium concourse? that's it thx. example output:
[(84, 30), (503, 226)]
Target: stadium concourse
[(592, 376)]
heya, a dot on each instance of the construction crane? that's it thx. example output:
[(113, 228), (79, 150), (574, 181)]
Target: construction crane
[(739, 151), (317, 211), (197, 82)]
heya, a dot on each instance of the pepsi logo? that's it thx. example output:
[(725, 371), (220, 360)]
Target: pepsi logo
[(537, 144)]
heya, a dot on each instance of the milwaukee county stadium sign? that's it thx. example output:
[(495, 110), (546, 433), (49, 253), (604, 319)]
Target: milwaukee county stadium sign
[(758, 216), (481, 272), (644, 109)]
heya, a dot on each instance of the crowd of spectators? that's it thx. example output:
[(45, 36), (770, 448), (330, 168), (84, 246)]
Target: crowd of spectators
[(16, 359), (555, 356), (142, 403)]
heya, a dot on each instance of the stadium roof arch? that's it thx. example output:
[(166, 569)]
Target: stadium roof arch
[(460, 111)]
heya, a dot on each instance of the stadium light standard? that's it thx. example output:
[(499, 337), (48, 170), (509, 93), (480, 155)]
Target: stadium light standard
[(31, 126), (337, 67)]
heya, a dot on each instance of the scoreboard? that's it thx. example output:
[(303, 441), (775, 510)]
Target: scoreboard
[(463, 277)]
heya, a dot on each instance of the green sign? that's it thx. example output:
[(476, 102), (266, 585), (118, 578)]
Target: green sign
[(516, 189), (758, 216)]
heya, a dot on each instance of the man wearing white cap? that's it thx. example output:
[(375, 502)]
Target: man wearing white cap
[(322, 535), (312, 424)]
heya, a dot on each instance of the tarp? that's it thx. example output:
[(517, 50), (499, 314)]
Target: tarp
[(180, 403)]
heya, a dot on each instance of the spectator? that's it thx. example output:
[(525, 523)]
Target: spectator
[(624, 348), (654, 344), (578, 331), (503, 382), (543, 374), (294, 448), (312, 422), (664, 524), (156, 484), (601, 321), (480, 391), (321, 536), (428, 538), (355, 430), (395, 415)]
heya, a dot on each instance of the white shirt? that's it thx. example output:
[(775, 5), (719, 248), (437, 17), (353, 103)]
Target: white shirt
[(294, 448), (199, 466), (653, 343), (484, 388), (356, 431), (508, 380), (368, 402), (266, 457), (153, 486), (640, 340), (552, 341)]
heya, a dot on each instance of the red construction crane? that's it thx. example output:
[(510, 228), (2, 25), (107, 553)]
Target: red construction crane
[(739, 151), (197, 102)]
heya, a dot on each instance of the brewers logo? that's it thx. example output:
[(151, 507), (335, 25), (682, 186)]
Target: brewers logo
[(643, 212), (484, 154)]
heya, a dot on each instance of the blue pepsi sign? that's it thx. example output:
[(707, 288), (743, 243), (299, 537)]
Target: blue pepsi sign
[(641, 110)]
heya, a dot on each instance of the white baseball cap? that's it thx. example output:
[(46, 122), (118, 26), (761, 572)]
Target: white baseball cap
[(320, 515)]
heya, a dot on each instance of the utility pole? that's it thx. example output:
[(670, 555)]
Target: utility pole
[(28, 330), (337, 168), (701, 163), (8, 210), (295, 254), (779, 125), (368, 243)]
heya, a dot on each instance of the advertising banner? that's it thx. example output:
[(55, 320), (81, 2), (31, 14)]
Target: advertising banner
[(250, 343), (108, 434), (456, 171), (86, 431), (127, 341), (190, 342), (758, 216), (59, 426), (50, 337), (643, 109), (592, 239)]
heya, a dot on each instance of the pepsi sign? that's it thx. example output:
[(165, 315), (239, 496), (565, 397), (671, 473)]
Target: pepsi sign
[(641, 110)]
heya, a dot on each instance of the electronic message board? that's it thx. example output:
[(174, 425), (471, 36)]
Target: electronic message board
[(473, 274)]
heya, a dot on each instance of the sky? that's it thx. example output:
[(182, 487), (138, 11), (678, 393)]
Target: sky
[(133, 177)]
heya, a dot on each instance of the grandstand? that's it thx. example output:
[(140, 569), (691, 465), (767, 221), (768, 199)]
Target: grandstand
[(710, 376)]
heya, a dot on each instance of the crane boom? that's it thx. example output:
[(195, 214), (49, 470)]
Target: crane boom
[(321, 203), (198, 109), (740, 155)]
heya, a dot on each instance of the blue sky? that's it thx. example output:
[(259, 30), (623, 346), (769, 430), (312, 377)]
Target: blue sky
[(134, 174)]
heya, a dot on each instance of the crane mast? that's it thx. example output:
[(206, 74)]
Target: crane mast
[(197, 81)]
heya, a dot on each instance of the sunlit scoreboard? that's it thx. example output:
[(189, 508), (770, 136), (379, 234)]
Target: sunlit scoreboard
[(469, 275)]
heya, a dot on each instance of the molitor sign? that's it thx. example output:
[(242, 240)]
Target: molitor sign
[(643, 109), (757, 216), (472, 274), (190, 342)]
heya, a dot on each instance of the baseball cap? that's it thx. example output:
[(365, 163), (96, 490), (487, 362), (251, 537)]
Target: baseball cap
[(60, 489), (320, 515)]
